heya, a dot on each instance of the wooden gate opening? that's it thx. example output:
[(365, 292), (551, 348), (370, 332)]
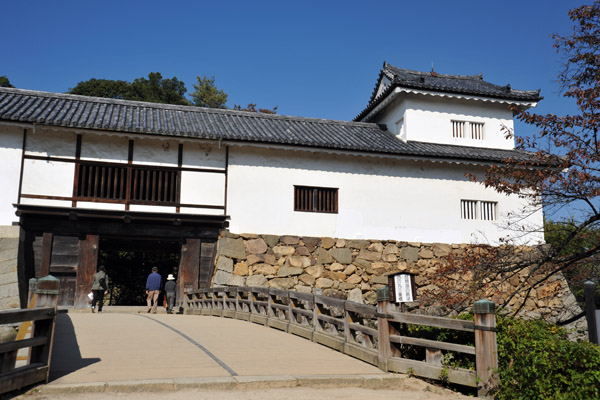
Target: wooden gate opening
[(129, 262)]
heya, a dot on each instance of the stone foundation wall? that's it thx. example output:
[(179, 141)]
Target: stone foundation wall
[(356, 269), (9, 281)]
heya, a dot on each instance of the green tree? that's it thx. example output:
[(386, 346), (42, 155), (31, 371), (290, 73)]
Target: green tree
[(206, 94), (154, 89), (4, 82), (103, 88)]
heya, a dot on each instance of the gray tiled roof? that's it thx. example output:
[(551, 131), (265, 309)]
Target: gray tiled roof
[(456, 84), (65, 110)]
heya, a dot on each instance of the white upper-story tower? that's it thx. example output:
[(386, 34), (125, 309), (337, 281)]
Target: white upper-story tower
[(461, 110)]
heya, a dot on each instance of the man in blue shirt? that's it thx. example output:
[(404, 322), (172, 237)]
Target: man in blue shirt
[(153, 285)]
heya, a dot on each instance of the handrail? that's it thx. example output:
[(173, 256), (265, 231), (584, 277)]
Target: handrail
[(42, 313), (366, 332)]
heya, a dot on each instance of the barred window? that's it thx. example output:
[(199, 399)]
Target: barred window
[(109, 182), (476, 130), (460, 129), (315, 199), (474, 209)]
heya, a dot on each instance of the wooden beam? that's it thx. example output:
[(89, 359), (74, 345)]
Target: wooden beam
[(188, 267), (46, 254), (88, 261)]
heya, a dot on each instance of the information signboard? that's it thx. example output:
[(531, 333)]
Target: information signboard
[(403, 288)]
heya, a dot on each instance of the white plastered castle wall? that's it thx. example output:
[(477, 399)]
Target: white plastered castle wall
[(427, 118), (11, 149), (50, 178), (378, 199)]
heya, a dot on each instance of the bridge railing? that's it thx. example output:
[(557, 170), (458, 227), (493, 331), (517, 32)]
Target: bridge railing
[(372, 334), (34, 337)]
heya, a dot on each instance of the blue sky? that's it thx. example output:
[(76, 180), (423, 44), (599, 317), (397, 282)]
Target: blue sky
[(314, 59)]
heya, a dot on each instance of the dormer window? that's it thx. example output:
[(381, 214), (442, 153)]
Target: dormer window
[(460, 129)]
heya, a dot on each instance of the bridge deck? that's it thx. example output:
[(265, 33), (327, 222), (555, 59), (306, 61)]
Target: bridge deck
[(115, 347)]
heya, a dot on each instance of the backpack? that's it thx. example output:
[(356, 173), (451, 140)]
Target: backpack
[(102, 282)]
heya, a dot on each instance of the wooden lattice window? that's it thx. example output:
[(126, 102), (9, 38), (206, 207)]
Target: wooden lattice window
[(474, 209), (458, 129), (110, 182), (100, 181), (315, 199), (153, 185), (476, 130)]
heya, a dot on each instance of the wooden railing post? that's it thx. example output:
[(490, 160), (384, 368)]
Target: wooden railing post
[(486, 347), (46, 294), (383, 329), (589, 288)]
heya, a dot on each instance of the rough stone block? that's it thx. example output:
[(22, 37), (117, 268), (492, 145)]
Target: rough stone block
[(240, 269), (308, 279), (282, 251), (355, 295), (369, 255), (282, 283), (323, 256), (225, 264), (256, 246), (271, 240), (257, 281), (327, 242), (315, 271), (233, 248), (289, 240), (235, 280), (323, 283), (376, 246), (302, 251), (289, 271), (409, 253), (264, 269), (358, 244), (343, 256), (221, 278)]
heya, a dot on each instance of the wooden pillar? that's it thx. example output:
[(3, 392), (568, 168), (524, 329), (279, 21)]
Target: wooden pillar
[(46, 254), (486, 347), (589, 289), (46, 295), (383, 328), (189, 265), (86, 268)]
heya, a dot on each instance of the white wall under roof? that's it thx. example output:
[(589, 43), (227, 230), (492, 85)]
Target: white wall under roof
[(11, 148), (378, 199), (427, 118)]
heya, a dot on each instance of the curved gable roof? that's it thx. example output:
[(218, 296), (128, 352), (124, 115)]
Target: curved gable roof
[(454, 84)]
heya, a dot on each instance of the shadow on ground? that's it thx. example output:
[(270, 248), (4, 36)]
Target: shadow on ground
[(66, 357)]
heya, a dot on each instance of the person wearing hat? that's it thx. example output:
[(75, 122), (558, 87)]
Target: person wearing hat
[(170, 287)]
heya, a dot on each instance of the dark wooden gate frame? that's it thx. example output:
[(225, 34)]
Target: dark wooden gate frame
[(89, 225)]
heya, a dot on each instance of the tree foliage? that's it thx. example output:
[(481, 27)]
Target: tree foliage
[(562, 174), (4, 82), (252, 108), (206, 94), (153, 89)]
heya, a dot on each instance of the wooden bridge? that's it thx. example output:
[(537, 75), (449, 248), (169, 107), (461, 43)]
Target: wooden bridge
[(112, 348)]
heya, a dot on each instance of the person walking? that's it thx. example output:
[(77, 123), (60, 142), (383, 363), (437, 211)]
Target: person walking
[(99, 288), (170, 287), (153, 284)]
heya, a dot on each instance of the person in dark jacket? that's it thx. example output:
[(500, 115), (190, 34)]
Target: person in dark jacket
[(153, 284), (99, 288), (170, 287)]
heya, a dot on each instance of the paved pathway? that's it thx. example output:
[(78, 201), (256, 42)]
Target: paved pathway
[(117, 352), (112, 347)]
